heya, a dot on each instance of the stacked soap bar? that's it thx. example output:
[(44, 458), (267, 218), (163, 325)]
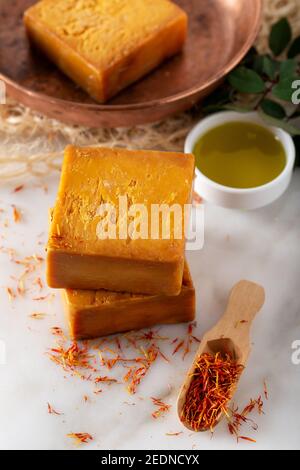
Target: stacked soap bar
[(101, 313), (113, 272), (105, 45)]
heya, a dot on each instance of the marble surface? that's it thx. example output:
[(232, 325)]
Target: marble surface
[(262, 246)]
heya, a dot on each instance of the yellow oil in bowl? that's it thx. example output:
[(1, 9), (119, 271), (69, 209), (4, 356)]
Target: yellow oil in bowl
[(240, 155)]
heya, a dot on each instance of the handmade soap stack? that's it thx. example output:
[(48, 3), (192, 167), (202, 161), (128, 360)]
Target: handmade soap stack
[(116, 247)]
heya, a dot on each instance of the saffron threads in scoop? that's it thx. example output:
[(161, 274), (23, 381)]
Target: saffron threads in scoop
[(211, 388)]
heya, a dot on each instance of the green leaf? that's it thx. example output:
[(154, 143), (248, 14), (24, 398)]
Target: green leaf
[(284, 90), (246, 80), (273, 109), (266, 65), (288, 69), (258, 64), (286, 126), (280, 37), (294, 50), (270, 67)]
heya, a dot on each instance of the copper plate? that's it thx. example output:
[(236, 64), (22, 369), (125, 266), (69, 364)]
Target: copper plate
[(220, 34)]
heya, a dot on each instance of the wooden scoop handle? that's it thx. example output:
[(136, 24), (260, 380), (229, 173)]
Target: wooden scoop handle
[(245, 301)]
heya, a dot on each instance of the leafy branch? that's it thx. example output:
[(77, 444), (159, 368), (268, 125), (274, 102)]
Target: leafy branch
[(265, 83)]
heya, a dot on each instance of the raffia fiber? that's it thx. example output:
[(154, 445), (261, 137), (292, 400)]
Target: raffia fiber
[(33, 144)]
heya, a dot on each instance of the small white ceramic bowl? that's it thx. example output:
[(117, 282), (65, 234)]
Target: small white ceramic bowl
[(252, 198)]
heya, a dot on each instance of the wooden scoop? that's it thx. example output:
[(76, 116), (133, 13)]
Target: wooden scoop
[(231, 334)]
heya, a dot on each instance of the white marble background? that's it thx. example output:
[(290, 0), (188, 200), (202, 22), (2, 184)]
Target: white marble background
[(262, 246)]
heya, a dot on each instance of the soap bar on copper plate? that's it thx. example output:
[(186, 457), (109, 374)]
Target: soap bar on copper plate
[(101, 313), (105, 45), (81, 255)]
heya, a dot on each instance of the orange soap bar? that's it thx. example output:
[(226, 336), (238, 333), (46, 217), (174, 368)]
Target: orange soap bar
[(107, 229), (105, 45), (101, 313)]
